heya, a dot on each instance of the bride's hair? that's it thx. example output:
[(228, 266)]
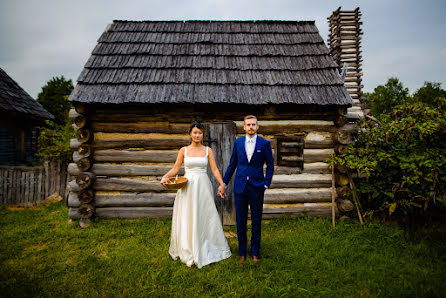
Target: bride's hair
[(197, 125)]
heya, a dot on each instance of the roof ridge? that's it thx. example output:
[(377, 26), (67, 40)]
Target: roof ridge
[(217, 21)]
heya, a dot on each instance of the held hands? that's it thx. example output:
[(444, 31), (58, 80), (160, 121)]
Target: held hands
[(221, 191)]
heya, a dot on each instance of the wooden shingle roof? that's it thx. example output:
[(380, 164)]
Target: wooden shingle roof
[(14, 99), (252, 62)]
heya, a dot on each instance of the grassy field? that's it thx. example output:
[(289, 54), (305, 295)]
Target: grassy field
[(42, 254)]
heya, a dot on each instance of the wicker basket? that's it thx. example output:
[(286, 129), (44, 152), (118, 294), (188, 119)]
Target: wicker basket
[(176, 183)]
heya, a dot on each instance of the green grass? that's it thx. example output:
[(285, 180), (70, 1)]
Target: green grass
[(42, 254)]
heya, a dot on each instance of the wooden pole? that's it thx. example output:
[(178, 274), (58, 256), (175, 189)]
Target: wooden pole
[(332, 195), (355, 199)]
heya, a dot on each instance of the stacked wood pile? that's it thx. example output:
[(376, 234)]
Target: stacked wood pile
[(345, 47)]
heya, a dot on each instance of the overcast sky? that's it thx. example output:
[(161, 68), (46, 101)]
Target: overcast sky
[(46, 38)]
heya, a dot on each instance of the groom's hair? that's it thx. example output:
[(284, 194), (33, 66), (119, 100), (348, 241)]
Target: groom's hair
[(250, 117)]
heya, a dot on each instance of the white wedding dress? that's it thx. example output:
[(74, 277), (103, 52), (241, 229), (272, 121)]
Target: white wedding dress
[(197, 232)]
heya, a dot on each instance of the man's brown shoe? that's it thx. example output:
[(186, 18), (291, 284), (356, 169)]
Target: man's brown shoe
[(241, 260), (256, 260)]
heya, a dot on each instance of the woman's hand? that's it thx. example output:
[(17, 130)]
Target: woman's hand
[(221, 191), (164, 181)]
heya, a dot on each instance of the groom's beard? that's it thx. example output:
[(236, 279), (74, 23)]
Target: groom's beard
[(252, 132)]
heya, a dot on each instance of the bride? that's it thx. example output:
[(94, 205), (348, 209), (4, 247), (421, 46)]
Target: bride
[(197, 234)]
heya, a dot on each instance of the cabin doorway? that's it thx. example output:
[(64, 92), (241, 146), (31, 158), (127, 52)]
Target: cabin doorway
[(220, 137)]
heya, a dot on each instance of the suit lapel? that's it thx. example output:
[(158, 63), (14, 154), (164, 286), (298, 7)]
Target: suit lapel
[(244, 149), (255, 149)]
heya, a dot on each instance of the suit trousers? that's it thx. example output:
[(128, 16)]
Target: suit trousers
[(254, 197)]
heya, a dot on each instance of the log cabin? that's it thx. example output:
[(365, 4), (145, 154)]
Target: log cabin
[(146, 81), (20, 115)]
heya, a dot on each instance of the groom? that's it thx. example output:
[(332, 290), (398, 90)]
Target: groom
[(249, 155)]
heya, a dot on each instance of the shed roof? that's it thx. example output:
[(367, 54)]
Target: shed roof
[(251, 62), (14, 99)]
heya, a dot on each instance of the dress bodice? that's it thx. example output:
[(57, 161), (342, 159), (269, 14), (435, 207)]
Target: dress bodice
[(195, 164)]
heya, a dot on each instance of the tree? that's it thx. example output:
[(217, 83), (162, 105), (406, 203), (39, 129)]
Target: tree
[(428, 93), (384, 98), (53, 98)]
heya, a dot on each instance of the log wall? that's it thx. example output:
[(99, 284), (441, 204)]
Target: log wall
[(130, 149)]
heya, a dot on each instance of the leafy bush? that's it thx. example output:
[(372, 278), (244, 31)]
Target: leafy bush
[(54, 142), (404, 160)]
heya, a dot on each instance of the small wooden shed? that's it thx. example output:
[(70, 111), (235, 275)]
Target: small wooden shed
[(20, 114), (145, 82)]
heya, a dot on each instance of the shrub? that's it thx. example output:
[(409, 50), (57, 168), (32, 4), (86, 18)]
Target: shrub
[(54, 142), (404, 160)]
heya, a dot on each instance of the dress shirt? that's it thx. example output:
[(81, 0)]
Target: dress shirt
[(250, 145)]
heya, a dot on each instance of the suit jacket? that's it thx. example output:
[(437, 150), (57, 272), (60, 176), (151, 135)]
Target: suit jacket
[(252, 171)]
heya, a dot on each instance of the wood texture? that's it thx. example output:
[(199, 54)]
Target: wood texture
[(166, 156), (112, 170), (128, 200), (123, 184), (29, 186), (220, 137), (302, 195), (165, 143), (141, 127), (85, 180)]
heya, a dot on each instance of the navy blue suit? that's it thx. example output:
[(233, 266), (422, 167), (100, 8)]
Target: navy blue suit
[(249, 187)]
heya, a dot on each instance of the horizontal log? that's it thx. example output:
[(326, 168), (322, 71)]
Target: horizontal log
[(73, 213), (290, 195), (134, 212), (84, 164), (73, 200), (141, 127), (80, 121), (128, 200), (343, 137), (343, 191), (319, 140), (123, 184), (316, 168), (74, 144), (135, 156), (341, 179), (165, 143), (86, 211), (85, 180), (81, 108), (84, 135), (317, 155), (301, 181), (125, 170), (322, 210), (283, 170), (72, 186), (290, 126), (143, 212), (77, 156), (126, 212), (340, 148), (72, 114)]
